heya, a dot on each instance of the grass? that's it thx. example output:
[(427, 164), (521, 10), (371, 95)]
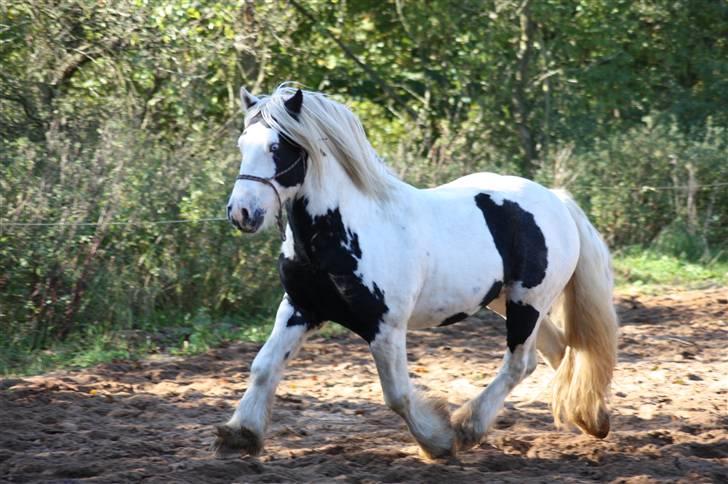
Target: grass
[(81, 353), (636, 270), (186, 336), (647, 270)]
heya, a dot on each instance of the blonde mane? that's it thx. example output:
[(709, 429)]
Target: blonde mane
[(327, 128)]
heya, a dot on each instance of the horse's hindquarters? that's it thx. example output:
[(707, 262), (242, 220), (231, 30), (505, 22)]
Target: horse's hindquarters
[(484, 234)]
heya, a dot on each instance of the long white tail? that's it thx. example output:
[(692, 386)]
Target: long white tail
[(582, 381)]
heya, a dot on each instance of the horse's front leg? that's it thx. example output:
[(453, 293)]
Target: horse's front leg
[(427, 417), (245, 430)]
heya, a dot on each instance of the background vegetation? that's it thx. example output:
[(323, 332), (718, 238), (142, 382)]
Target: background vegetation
[(127, 112)]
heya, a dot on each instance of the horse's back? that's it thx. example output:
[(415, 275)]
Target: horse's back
[(546, 207), (498, 186)]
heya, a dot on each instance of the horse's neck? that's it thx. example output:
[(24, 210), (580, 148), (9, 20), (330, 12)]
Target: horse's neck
[(336, 200), (336, 191)]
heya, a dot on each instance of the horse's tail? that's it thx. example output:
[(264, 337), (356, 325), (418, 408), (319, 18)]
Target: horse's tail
[(581, 385)]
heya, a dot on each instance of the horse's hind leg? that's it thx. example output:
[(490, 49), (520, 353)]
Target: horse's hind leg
[(550, 341), (474, 418), (427, 417)]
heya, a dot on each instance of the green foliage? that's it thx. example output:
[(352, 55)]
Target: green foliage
[(186, 335), (648, 269), (140, 127), (635, 184), (676, 240), (127, 111)]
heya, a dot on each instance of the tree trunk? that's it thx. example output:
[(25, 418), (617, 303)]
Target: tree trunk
[(521, 108)]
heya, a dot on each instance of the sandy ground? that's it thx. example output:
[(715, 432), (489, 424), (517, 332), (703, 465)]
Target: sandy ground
[(152, 420)]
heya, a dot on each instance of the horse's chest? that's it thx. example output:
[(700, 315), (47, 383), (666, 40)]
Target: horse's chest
[(321, 278), (342, 297)]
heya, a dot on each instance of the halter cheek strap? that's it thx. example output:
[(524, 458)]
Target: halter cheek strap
[(269, 181)]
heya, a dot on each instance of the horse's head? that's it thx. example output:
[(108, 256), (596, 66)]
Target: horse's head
[(272, 169)]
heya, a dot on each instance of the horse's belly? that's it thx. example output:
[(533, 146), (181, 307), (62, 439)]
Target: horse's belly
[(443, 313), (459, 286)]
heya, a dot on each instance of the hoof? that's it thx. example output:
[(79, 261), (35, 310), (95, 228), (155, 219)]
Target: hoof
[(465, 434), (438, 455), (231, 441), (599, 430), (439, 441), (465, 437)]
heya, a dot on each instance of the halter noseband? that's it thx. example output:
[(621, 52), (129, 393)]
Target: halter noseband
[(269, 181)]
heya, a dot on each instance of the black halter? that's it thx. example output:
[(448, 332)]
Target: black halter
[(269, 181)]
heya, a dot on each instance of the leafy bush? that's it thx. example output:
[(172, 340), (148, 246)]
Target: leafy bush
[(635, 185), (128, 113)]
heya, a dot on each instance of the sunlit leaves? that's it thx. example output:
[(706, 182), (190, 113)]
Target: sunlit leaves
[(129, 110)]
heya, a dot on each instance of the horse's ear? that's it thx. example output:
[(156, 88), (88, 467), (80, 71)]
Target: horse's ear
[(247, 100), (294, 103)]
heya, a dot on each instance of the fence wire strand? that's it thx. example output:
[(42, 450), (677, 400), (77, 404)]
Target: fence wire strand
[(642, 188), (121, 222)]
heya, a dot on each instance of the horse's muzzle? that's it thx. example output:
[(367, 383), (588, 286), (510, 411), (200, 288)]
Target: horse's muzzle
[(246, 220)]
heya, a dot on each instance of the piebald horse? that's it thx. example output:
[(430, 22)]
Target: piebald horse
[(378, 256)]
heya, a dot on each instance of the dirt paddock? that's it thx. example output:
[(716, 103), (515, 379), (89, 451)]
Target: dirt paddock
[(152, 420)]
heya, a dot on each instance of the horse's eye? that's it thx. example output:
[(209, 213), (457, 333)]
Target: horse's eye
[(273, 147)]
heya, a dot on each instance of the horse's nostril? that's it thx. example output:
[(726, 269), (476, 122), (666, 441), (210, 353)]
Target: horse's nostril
[(229, 210), (245, 214)]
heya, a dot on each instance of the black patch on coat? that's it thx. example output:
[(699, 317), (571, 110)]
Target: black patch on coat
[(521, 318), (492, 293), (286, 155), (321, 279), (455, 318), (519, 241), (296, 319)]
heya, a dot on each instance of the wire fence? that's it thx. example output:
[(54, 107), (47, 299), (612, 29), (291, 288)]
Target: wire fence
[(641, 188), (648, 188), (121, 222)]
